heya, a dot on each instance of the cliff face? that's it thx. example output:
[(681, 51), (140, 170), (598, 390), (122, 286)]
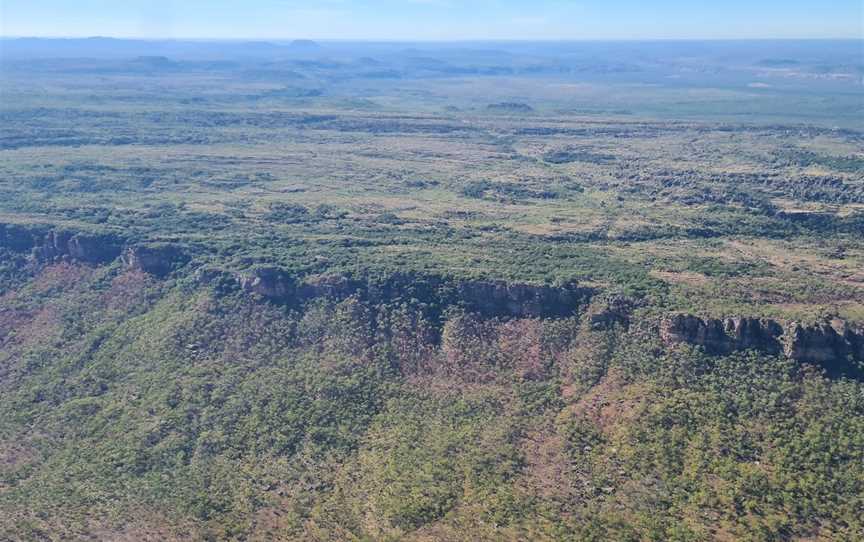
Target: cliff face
[(19, 238), (488, 298), (831, 345), (835, 346), (723, 336), (94, 248), (269, 282), (158, 259), (496, 298), (82, 247), (46, 245)]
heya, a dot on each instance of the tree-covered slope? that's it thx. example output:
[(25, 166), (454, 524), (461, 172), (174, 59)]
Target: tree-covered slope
[(142, 408)]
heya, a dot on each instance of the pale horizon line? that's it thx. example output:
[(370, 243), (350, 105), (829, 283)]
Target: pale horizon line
[(426, 40)]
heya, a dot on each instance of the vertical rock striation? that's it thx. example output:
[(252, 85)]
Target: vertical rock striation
[(834, 345)]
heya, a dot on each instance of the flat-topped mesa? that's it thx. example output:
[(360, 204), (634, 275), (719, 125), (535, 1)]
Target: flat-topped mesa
[(832, 345)]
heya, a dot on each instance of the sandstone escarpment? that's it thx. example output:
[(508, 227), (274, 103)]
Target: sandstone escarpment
[(94, 248), (47, 245), (44, 244), (82, 247), (19, 238), (487, 298), (723, 336), (495, 298), (155, 259), (834, 345)]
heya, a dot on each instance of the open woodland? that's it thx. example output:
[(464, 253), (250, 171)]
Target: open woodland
[(303, 291)]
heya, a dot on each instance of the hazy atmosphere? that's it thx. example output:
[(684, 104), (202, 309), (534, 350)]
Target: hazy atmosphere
[(414, 20)]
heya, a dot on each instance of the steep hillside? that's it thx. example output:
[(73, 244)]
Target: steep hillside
[(136, 407)]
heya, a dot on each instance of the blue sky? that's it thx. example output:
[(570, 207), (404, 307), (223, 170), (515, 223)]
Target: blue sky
[(435, 19)]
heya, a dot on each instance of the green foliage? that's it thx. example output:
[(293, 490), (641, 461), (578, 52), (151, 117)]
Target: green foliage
[(804, 158), (136, 407), (351, 418), (287, 213)]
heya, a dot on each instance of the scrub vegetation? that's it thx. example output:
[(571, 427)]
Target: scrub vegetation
[(387, 292)]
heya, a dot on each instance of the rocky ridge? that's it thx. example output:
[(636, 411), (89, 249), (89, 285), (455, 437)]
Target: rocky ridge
[(46, 245), (489, 298), (834, 345)]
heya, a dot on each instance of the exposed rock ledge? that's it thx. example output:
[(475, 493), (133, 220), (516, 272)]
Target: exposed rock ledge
[(158, 259), (489, 298), (46, 245), (833, 345)]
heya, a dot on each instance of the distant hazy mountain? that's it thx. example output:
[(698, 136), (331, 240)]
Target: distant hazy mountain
[(749, 64), (99, 47)]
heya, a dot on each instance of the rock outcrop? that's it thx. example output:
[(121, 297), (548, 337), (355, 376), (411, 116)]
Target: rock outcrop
[(82, 247), (269, 282), (48, 245), (44, 244), (723, 336), (498, 298), (488, 298), (94, 248), (333, 286), (155, 259), (833, 345), (19, 238)]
